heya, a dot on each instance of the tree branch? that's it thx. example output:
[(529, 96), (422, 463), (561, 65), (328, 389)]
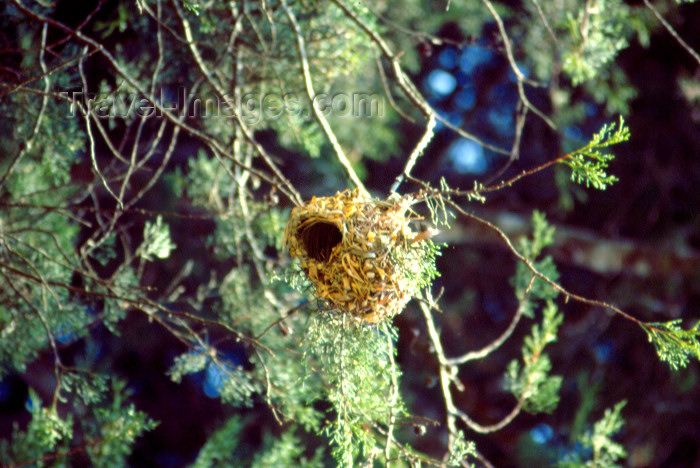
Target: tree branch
[(495, 344), (301, 48), (672, 31), (514, 66)]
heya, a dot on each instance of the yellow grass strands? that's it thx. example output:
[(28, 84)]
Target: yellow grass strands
[(345, 244)]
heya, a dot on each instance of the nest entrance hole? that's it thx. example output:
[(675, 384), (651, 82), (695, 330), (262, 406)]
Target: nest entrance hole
[(319, 238)]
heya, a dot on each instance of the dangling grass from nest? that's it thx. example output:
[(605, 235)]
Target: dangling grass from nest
[(361, 253)]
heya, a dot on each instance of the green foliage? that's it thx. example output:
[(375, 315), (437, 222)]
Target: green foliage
[(612, 90), (248, 225), (109, 432), (223, 449), (36, 245), (237, 386), (461, 450), (531, 382), (542, 236), (537, 288), (296, 390), (119, 24), (569, 193), (529, 287), (188, 363), (191, 6), (44, 170), (581, 40), (588, 164), (355, 363), (585, 36), (598, 31), (589, 391), (71, 263), (220, 448), (106, 250), (299, 131), (46, 432), (115, 428), (156, 240), (23, 333), (205, 180), (242, 232), (91, 388), (285, 451), (416, 263), (604, 452), (673, 344)]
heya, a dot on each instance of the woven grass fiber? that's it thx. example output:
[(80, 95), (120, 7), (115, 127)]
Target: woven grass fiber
[(346, 245)]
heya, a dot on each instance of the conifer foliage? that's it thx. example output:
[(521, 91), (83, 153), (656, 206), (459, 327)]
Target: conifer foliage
[(152, 154)]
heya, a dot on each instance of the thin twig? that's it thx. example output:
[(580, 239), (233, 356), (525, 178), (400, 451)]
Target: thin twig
[(301, 48), (281, 319), (495, 344), (385, 84), (491, 188), (287, 188), (520, 78), (566, 293), (22, 86), (405, 84), (448, 375), (672, 31), (282, 184), (268, 387), (544, 21), (91, 138), (515, 149), (417, 152), (481, 429), (139, 302)]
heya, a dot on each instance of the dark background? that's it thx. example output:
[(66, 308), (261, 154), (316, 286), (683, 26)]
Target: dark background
[(637, 245)]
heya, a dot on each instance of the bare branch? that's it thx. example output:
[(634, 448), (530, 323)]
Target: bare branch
[(567, 294), (672, 31), (91, 139), (448, 375), (418, 100), (385, 84), (495, 344), (521, 79), (283, 185), (417, 152), (301, 48), (544, 21)]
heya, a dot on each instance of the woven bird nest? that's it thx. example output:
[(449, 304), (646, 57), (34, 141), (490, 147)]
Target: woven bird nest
[(347, 246)]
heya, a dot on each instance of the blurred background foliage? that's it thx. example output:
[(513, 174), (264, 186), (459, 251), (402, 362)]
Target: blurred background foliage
[(148, 313)]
